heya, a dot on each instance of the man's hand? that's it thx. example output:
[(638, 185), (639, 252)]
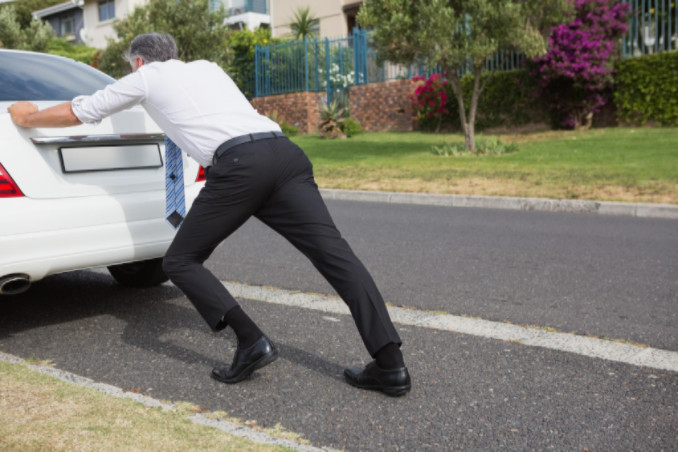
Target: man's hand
[(26, 114), (20, 112)]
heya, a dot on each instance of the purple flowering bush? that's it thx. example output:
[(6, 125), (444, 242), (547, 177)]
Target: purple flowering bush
[(575, 76)]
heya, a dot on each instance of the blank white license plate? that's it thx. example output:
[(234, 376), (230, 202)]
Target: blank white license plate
[(110, 158)]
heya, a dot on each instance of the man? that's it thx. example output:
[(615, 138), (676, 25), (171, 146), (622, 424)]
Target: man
[(252, 170)]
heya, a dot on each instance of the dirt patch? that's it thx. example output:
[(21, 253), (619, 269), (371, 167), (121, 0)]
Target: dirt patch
[(658, 192)]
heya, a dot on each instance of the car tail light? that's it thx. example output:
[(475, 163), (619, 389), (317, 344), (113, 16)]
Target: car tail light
[(8, 189), (201, 175)]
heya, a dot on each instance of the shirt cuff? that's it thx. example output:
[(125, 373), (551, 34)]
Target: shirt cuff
[(79, 108)]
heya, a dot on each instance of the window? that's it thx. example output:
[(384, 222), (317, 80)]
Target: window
[(315, 27), (38, 76), (67, 26), (106, 10)]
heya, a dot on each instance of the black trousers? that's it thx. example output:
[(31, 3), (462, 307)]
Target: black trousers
[(273, 180)]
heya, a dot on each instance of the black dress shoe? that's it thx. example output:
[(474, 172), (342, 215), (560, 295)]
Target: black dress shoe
[(393, 382), (246, 361)]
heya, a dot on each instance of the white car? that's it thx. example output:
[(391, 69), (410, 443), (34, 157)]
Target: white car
[(79, 197)]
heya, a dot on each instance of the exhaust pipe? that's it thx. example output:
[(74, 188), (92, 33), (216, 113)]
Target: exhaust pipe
[(14, 284)]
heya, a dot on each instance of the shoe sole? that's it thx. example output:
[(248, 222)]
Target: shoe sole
[(258, 364), (393, 391)]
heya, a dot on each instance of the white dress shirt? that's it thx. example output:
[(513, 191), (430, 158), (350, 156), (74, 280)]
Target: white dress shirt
[(196, 104)]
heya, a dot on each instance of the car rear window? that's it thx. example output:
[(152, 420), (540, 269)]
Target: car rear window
[(36, 76)]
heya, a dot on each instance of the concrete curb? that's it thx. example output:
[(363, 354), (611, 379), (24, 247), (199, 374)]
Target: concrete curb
[(224, 425), (641, 210)]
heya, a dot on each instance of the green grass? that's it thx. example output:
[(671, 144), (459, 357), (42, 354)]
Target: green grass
[(40, 413), (617, 164)]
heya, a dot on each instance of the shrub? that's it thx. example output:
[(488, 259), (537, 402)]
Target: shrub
[(241, 67), (351, 127), (508, 100), (332, 118), (646, 89), (576, 74), (287, 128), (484, 146), (78, 52), (430, 100)]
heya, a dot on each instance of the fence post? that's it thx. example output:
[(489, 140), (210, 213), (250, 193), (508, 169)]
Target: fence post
[(327, 68), (360, 56), (317, 66), (656, 27), (306, 60), (267, 72), (256, 70)]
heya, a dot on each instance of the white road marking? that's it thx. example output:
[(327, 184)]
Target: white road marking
[(582, 345)]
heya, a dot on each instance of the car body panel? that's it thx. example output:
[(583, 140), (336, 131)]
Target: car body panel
[(70, 218), (58, 235)]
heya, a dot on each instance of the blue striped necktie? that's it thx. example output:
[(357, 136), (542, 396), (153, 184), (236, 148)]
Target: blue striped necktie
[(175, 206)]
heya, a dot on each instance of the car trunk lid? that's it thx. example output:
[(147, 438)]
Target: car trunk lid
[(123, 154)]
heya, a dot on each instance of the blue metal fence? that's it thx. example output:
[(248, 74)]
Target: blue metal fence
[(653, 27), (333, 65), (310, 65)]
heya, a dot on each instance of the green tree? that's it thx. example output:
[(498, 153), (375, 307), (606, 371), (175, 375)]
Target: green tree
[(199, 32), (35, 36), (24, 9), (459, 34), (304, 24), (242, 44)]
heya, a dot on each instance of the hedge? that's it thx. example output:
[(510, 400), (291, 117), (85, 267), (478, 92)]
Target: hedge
[(646, 89), (507, 100)]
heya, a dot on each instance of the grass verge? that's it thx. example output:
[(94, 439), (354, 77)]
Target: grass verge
[(616, 164), (39, 412)]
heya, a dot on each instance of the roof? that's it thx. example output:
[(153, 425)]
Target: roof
[(71, 4)]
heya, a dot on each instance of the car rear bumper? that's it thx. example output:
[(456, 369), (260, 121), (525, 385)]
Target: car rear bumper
[(40, 237)]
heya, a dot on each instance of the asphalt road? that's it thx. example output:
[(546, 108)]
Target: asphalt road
[(604, 276), (613, 277)]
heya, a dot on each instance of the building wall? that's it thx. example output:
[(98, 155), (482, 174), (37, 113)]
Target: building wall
[(330, 13), (78, 23), (95, 31)]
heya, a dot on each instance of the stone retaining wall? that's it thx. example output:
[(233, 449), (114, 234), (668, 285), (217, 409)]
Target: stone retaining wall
[(377, 106), (301, 110), (383, 106)]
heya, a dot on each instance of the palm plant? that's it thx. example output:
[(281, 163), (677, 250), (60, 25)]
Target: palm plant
[(331, 119), (304, 24)]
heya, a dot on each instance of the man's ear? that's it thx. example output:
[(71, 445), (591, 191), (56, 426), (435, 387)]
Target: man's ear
[(139, 61)]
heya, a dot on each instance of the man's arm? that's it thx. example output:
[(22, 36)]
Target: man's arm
[(27, 114)]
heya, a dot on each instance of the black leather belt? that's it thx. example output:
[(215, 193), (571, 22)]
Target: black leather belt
[(250, 138)]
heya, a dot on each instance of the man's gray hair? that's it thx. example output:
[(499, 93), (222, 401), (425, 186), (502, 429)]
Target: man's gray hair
[(152, 47)]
